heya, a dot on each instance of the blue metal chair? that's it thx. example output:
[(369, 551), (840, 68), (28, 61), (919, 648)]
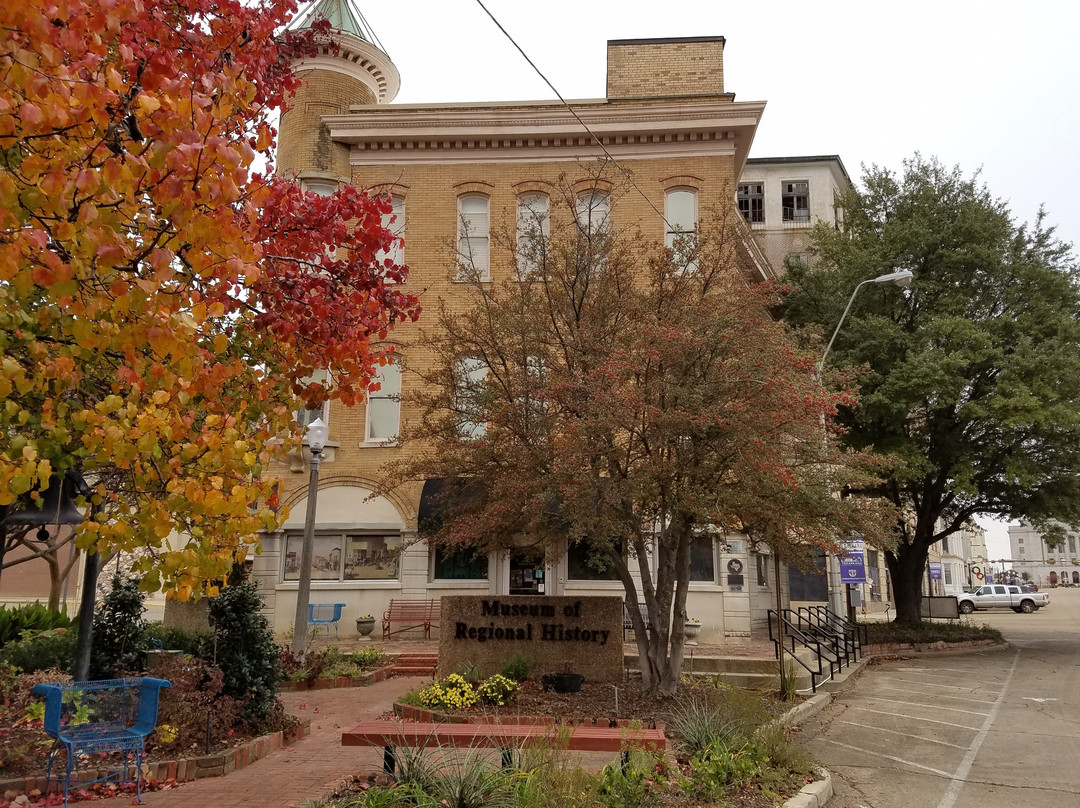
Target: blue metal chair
[(324, 615)]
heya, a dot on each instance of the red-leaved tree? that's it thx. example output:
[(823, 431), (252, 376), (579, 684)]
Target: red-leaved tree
[(160, 300)]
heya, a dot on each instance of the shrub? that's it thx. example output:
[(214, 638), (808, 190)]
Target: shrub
[(700, 722), (452, 693), (193, 642), (120, 642), (517, 667), (930, 632), (47, 650), (368, 658), (496, 691), (719, 767), (625, 787), (31, 617), (246, 651), (196, 693)]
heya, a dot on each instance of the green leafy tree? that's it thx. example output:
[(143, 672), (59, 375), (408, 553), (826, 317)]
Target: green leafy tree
[(973, 388), (246, 651), (631, 399), (119, 640)]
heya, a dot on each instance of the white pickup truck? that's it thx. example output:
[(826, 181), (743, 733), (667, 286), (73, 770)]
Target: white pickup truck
[(1002, 596)]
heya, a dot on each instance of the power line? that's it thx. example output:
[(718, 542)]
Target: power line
[(577, 117)]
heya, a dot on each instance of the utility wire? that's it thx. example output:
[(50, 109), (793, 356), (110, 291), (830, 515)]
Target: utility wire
[(577, 117)]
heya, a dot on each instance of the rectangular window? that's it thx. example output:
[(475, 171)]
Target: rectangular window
[(345, 556), (751, 199), (947, 571), (471, 384), (795, 200), (798, 258), (593, 210), (394, 221), (702, 560), (762, 569), (533, 229), (305, 417), (586, 564), (945, 545), (1072, 545), (460, 564), (680, 213), (813, 584), (384, 404), (474, 249)]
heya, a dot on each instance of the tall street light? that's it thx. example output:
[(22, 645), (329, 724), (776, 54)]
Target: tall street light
[(902, 277), (317, 433)]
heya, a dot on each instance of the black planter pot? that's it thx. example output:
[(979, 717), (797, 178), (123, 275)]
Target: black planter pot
[(563, 682)]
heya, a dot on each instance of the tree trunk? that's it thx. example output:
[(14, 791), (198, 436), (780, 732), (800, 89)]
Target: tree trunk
[(907, 565)]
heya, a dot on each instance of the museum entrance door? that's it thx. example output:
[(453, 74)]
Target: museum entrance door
[(527, 571)]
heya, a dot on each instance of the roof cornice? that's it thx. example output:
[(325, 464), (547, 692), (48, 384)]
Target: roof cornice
[(546, 131)]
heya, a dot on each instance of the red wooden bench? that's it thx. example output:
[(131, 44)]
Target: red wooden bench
[(412, 614), (506, 737)]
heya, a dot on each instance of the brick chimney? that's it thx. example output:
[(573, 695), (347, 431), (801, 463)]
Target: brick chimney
[(653, 68)]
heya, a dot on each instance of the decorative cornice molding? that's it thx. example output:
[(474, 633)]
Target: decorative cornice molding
[(527, 133), (358, 60)]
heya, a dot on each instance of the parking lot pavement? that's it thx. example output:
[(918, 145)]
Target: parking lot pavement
[(997, 728)]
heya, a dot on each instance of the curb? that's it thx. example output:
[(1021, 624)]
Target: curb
[(940, 648), (815, 794)]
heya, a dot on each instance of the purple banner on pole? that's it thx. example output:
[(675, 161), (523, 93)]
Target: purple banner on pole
[(935, 570), (853, 567)]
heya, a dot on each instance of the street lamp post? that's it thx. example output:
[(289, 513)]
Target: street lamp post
[(317, 432), (901, 277)]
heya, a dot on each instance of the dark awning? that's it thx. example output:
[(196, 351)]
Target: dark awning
[(438, 497)]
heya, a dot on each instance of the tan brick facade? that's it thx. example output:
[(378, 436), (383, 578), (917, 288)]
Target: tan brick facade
[(686, 133), (642, 68)]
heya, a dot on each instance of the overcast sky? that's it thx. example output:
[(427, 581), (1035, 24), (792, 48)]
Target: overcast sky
[(986, 84), (992, 85)]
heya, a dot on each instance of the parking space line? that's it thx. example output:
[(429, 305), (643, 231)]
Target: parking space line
[(876, 728), (936, 686), (890, 757), (927, 706), (944, 696), (908, 717), (960, 776)]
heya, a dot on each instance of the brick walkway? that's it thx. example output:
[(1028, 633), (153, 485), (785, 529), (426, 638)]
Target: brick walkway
[(302, 772)]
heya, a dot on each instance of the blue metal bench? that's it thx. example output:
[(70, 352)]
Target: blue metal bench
[(111, 715), (324, 615)]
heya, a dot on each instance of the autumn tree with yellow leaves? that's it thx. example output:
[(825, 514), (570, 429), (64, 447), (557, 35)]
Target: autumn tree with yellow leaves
[(161, 301)]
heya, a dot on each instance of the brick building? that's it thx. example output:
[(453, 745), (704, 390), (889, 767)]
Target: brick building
[(666, 117)]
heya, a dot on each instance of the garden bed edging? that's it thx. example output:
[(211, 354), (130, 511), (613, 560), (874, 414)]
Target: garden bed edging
[(181, 770)]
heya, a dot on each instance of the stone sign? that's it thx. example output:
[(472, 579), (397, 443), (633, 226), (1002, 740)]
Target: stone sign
[(576, 634)]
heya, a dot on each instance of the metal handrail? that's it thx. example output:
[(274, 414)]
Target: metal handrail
[(794, 634)]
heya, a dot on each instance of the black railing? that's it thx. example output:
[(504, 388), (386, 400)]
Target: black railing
[(794, 636), (847, 636)]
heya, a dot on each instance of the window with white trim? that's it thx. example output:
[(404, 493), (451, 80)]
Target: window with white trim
[(703, 559), (384, 404), (306, 417), (584, 562), (533, 229), (593, 211), (320, 187), (795, 201), (474, 245), (345, 556), (680, 213), (751, 201), (472, 375), (394, 221)]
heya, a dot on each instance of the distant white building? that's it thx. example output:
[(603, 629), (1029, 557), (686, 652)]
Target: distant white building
[(1032, 560), (781, 198)]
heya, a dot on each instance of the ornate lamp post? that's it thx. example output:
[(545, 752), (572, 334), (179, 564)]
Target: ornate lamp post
[(317, 433)]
